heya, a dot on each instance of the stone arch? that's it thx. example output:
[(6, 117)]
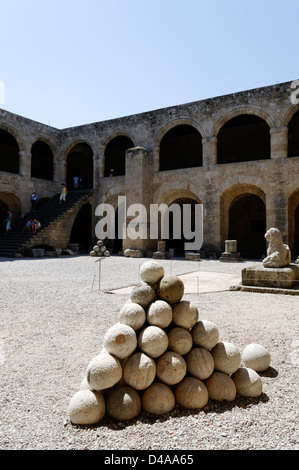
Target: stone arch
[(9, 201), (180, 137), (81, 231), (178, 197), (243, 136), (9, 151), (293, 133), (293, 223), (239, 111), (78, 156), (243, 217), (115, 147), (42, 160)]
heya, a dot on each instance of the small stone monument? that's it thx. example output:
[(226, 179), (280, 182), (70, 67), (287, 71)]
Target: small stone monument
[(161, 252), (230, 255), (276, 270)]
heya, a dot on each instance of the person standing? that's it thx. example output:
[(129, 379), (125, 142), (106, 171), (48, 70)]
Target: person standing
[(63, 193), (34, 200), (8, 221), (76, 182)]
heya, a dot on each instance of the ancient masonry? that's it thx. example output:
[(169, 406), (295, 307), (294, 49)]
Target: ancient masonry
[(236, 154), (162, 353)]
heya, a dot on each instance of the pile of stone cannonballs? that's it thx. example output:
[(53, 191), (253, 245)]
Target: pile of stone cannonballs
[(161, 354), (99, 249)]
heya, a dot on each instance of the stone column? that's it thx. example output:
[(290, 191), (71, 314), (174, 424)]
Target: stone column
[(277, 212), (25, 164), (59, 171), (209, 151), (279, 141), (138, 190)]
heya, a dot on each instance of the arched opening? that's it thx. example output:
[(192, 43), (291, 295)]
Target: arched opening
[(178, 244), (115, 155), (181, 147), (41, 161), (81, 231), (9, 153), (243, 138), (247, 225), (9, 201), (293, 136), (293, 223), (80, 164)]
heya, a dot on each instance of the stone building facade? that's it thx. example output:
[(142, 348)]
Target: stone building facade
[(236, 154)]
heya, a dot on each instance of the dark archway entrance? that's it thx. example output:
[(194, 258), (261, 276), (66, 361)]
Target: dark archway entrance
[(178, 245), (81, 231), (247, 225), (80, 164), (296, 233), (3, 215), (181, 147), (115, 155), (41, 161), (9, 153), (243, 138)]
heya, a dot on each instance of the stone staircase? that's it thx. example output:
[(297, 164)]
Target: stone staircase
[(49, 215)]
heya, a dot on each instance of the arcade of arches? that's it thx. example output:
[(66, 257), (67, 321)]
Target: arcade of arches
[(242, 138)]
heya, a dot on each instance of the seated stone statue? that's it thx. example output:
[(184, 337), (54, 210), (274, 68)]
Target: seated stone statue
[(278, 254)]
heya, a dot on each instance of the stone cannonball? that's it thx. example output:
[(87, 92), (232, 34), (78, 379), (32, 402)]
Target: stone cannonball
[(86, 407), (256, 357), (227, 357), (143, 294), (139, 371), (120, 340), (151, 272), (103, 371), (123, 403), (205, 334), (191, 393), (170, 288), (159, 313), (171, 368), (133, 315), (153, 341), (185, 314), (158, 399), (221, 387), (248, 383), (200, 363), (180, 340)]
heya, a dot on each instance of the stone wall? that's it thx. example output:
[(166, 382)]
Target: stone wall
[(275, 181)]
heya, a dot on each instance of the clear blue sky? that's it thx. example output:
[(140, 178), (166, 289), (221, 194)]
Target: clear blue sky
[(73, 62)]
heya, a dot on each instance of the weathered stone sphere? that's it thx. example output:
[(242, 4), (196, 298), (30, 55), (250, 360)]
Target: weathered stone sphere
[(191, 393), (143, 294), (100, 243), (180, 340), (123, 403), (151, 272), (221, 387), (86, 407), (248, 383), (159, 313), (227, 357), (103, 371), (153, 341), (200, 363), (133, 315), (158, 399), (120, 340), (171, 368), (256, 357), (170, 288), (185, 314), (139, 371), (205, 334), (93, 253)]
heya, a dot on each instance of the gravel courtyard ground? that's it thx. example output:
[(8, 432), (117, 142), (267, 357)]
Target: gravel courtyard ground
[(53, 318)]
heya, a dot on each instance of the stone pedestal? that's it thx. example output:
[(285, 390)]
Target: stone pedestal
[(161, 253), (230, 255), (192, 256), (282, 278)]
